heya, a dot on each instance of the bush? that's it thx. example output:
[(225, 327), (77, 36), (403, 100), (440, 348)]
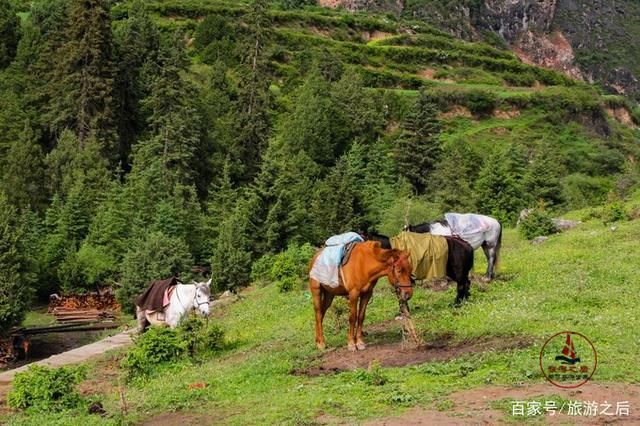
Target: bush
[(86, 268), (203, 337), (46, 389), (157, 257), (537, 223), (614, 212), (481, 102), (158, 345), (285, 269), (261, 269)]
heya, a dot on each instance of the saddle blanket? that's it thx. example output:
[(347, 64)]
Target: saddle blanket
[(154, 297), (326, 268), (470, 227), (428, 253)]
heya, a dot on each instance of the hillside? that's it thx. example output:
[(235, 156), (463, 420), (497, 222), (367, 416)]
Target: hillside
[(204, 136), (583, 280), (594, 41)]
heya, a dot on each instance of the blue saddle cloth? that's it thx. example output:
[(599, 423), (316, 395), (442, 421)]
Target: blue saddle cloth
[(326, 267)]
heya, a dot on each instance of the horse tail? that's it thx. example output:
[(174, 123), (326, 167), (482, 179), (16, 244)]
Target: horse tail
[(498, 245)]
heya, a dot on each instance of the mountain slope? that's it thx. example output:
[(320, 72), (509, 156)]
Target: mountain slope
[(593, 40)]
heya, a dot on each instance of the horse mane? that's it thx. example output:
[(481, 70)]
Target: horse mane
[(381, 254)]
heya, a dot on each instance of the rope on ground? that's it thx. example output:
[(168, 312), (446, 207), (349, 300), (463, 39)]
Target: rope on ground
[(410, 337)]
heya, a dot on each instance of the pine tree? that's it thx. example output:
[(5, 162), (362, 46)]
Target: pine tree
[(23, 175), (136, 41), (82, 97), (454, 177), (9, 32), (173, 121), (542, 178), (418, 148), (309, 126), (15, 285), (499, 188), (231, 259)]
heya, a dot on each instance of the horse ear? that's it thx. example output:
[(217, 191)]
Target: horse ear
[(209, 282)]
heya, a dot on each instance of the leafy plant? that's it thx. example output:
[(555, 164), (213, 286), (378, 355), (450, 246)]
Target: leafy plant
[(156, 346), (537, 223), (46, 389)]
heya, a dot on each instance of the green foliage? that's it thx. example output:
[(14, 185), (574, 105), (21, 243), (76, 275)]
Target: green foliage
[(81, 89), (87, 268), (231, 259), (47, 389), (9, 32), (499, 185), (614, 212), (158, 256), (290, 266), (157, 346), (203, 337), (418, 148), (15, 280), (373, 376), (286, 269), (537, 223), (295, 4)]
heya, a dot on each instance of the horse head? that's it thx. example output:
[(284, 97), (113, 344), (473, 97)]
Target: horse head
[(201, 298), (399, 274)]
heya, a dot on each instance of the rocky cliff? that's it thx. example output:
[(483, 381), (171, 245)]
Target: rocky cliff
[(592, 40)]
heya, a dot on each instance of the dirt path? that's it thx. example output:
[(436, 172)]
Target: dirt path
[(73, 356), (480, 406)]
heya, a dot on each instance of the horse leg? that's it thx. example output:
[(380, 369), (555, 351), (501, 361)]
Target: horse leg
[(490, 254), (461, 294), (362, 308), (353, 318), (142, 320), (316, 294)]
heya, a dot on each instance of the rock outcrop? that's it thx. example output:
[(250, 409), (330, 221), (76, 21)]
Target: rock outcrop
[(591, 40)]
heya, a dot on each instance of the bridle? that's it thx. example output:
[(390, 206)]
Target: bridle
[(196, 304), (396, 282)]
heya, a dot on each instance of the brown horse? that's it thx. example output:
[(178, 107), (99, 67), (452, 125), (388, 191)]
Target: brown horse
[(368, 262)]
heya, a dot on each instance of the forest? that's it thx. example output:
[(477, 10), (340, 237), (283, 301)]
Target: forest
[(141, 139)]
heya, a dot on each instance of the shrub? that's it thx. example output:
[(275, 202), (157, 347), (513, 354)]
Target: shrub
[(261, 269), (614, 212), (290, 266), (84, 269), (374, 375), (46, 389), (481, 102), (158, 345), (203, 337), (537, 223)]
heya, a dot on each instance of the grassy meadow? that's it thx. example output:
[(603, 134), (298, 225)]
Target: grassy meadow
[(583, 280)]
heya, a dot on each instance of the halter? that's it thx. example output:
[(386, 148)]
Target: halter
[(396, 284), (195, 299)]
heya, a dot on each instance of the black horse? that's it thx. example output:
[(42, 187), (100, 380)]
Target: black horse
[(459, 262)]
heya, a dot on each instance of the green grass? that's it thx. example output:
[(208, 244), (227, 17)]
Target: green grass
[(582, 280)]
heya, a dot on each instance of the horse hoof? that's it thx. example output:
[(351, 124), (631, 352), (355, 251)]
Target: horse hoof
[(351, 347), (361, 346), (321, 346)]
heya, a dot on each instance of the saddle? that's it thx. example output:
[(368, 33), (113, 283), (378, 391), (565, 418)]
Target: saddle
[(336, 253)]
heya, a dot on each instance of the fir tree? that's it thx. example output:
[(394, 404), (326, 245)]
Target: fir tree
[(15, 285), (499, 190), (23, 175), (9, 32), (82, 97), (542, 178), (418, 148), (136, 42), (173, 121)]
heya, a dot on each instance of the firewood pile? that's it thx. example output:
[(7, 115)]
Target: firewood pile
[(84, 308)]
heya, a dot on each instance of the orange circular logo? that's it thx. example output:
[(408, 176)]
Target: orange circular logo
[(568, 359)]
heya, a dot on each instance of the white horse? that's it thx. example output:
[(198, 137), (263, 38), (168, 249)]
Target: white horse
[(184, 298), (475, 229)]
